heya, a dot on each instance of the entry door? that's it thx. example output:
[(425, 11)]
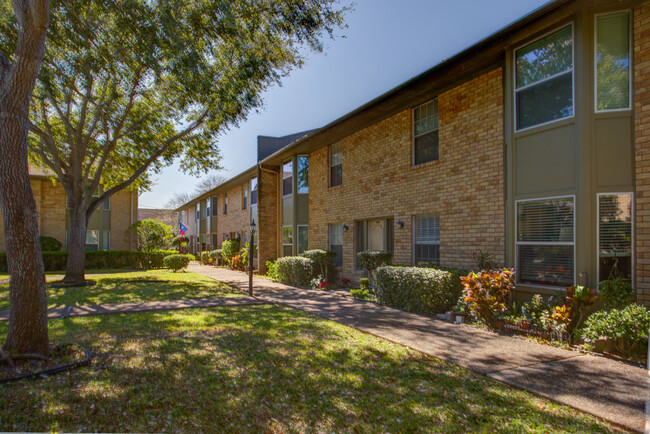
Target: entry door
[(377, 234)]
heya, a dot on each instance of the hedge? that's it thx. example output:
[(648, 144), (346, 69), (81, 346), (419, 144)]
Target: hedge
[(97, 260), (415, 289), (176, 262), (294, 270)]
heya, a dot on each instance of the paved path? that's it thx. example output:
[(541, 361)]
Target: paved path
[(150, 306), (604, 387)]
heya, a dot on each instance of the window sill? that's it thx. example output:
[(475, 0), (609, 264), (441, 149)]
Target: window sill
[(336, 187), (551, 125), (424, 165)]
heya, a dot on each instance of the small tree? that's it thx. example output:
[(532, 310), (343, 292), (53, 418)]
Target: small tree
[(370, 260), (324, 259), (229, 248), (150, 234)]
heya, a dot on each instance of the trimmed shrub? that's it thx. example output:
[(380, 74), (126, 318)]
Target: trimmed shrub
[(154, 260), (487, 293), (52, 261), (370, 260), (176, 242), (50, 244), (295, 270), (364, 283), (324, 259), (205, 258), (360, 293), (229, 248), (215, 256), (416, 289), (628, 328), (177, 262), (271, 267)]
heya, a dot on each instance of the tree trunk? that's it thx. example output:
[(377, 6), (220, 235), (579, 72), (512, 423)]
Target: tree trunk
[(27, 331), (74, 272)]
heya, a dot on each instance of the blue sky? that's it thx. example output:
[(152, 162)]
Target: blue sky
[(386, 43)]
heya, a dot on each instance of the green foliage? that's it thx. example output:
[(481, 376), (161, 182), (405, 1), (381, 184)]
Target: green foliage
[(150, 234), (272, 270), (364, 283), (50, 244), (627, 327), (176, 242), (205, 258), (416, 289), (483, 260), (616, 293), (177, 262), (324, 259), (487, 293), (360, 293), (216, 256), (294, 270), (97, 260), (239, 262), (229, 248), (370, 260)]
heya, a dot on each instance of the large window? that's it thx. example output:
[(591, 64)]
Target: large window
[(336, 165), (287, 178), (613, 61), (427, 240), (107, 240), (336, 243), (425, 132), (303, 174), (198, 211), (303, 238), (544, 79), (375, 234), (214, 205), (287, 240), (244, 197), (545, 241), (225, 204), (253, 191), (615, 236), (92, 240), (203, 207), (208, 201)]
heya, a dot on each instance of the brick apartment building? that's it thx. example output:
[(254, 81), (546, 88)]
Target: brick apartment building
[(532, 145), (107, 227)]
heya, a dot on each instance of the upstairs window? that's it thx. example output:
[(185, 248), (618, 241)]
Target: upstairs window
[(336, 165), (303, 174), (544, 79), (244, 199), (203, 208), (545, 241), (207, 204), (214, 205), (425, 132), (253, 191), (225, 204), (613, 62), (287, 178), (198, 211)]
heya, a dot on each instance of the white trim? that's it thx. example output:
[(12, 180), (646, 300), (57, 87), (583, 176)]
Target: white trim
[(632, 238), (630, 66), (559, 243), (573, 79), (290, 161), (298, 237)]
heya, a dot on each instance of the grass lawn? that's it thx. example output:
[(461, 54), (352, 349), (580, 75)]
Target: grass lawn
[(263, 369), (132, 287)]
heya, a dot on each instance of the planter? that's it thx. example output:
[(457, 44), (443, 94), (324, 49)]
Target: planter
[(460, 318), (450, 316)]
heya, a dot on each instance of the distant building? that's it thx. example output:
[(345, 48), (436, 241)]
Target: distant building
[(166, 216)]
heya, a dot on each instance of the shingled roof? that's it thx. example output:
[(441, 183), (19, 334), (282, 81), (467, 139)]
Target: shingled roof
[(267, 145)]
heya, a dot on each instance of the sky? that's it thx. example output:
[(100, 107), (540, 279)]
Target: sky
[(386, 43)]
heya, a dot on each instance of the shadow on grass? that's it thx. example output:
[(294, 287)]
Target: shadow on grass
[(263, 368)]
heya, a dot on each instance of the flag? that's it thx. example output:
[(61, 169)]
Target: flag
[(182, 227)]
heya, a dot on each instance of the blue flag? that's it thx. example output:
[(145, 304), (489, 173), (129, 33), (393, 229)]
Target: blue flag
[(182, 227)]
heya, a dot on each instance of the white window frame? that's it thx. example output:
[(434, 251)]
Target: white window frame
[(631, 67), (329, 166), (244, 199), (536, 243), (435, 101), (106, 246), (257, 190), (292, 239), (225, 204), (293, 171), (329, 239), (298, 238), (415, 217), (632, 239), (106, 206), (573, 77)]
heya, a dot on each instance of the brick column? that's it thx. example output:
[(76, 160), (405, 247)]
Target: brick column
[(268, 215)]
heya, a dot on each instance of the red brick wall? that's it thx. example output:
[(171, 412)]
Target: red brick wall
[(237, 219), (268, 215), (465, 186)]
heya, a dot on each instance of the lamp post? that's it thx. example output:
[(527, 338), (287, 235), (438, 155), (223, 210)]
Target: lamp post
[(250, 259)]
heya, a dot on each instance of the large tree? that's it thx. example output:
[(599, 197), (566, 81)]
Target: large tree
[(127, 86), (20, 60)]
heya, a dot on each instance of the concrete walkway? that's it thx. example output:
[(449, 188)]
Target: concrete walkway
[(604, 387), (149, 306)]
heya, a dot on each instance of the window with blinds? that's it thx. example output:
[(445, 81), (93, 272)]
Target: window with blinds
[(544, 79), (546, 242), (336, 165), (254, 191), (427, 240), (287, 240), (425, 132), (214, 205), (615, 236), (336, 243)]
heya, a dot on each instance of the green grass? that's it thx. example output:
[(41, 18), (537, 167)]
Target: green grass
[(263, 369), (132, 287)]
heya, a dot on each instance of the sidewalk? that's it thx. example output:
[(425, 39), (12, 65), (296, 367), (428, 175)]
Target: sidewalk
[(606, 388)]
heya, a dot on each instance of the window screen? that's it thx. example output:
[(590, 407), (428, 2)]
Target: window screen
[(425, 132), (615, 236), (427, 240)]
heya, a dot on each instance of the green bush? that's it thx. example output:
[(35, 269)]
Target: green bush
[(628, 328), (216, 256), (176, 242), (294, 270), (360, 293), (487, 293), (370, 260), (177, 262), (205, 258), (271, 270), (364, 283), (52, 261), (416, 289), (324, 259), (150, 234), (229, 248), (50, 244), (616, 293)]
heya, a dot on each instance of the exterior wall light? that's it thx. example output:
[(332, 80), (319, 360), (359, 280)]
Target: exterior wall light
[(399, 224), (345, 228)]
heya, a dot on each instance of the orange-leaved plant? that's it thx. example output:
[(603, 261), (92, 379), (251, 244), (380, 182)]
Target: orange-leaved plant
[(487, 293)]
